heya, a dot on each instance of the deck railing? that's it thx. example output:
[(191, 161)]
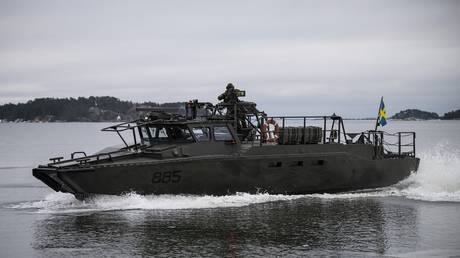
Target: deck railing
[(84, 159), (333, 130), (397, 144), (400, 143)]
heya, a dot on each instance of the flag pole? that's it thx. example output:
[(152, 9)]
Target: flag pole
[(378, 115)]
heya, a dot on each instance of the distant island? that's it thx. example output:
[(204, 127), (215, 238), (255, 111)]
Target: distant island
[(92, 109), (452, 115), (110, 109), (409, 114), (416, 114)]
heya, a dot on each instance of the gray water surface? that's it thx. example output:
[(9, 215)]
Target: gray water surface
[(415, 218)]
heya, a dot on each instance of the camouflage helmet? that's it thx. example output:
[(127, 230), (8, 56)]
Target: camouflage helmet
[(230, 86)]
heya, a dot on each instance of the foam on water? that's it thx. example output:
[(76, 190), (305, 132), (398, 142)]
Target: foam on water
[(66, 203), (438, 179)]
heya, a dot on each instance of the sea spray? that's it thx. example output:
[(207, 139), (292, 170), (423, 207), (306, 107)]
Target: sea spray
[(438, 177)]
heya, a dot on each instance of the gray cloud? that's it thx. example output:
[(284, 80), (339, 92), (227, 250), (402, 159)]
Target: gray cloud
[(290, 56)]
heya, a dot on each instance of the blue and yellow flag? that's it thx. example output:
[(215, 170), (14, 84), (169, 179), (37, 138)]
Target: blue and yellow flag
[(382, 120)]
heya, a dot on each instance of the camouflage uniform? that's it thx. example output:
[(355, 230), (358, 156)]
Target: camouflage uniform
[(230, 95)]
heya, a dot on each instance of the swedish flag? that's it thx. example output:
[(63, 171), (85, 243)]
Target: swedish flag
[(382, 119)]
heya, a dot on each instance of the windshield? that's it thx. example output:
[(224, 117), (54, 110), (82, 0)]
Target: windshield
[(201, 133), (221, 133), (166, 133)]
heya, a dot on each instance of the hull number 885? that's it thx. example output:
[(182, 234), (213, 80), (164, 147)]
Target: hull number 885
[(166, 177)]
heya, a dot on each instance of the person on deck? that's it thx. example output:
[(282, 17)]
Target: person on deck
[(230, 95)]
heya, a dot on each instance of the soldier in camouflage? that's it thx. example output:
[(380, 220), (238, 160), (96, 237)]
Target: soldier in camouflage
[(230, 95)]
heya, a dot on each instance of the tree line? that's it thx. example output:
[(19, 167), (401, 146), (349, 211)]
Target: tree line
[(424, 115), (452, 114), (106, 108), (81, 109)]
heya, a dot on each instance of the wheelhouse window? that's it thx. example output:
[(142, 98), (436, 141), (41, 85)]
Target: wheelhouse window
[(202, 134), (177, 133), (166, 133), (162, 133), (221, 133), (144, 134), (152, 130)]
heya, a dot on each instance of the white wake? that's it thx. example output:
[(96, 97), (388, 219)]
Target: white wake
[(66, 203)]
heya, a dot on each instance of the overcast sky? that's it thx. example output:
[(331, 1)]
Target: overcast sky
[(292, 57)]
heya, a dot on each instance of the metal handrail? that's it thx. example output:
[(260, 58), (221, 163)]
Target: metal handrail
[(97, 156), (77, 152)]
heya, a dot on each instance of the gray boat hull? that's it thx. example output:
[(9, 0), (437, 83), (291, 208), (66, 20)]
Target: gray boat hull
[(297, 169)]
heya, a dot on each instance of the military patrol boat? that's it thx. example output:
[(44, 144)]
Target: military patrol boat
[(206, 149)]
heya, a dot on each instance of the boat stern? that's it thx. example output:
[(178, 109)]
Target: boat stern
[(416, 164)]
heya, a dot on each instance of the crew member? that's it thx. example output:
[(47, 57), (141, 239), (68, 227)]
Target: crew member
[(230, 95)]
